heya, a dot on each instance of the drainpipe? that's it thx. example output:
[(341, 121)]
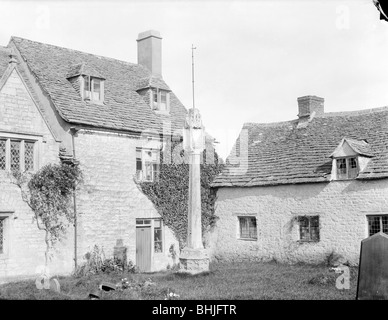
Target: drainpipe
[(73, 131)]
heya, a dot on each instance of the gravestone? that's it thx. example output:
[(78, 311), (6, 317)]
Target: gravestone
[(373, 268), (120, 252)]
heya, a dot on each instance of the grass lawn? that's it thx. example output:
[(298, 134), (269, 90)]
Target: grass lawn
[(229, 281)]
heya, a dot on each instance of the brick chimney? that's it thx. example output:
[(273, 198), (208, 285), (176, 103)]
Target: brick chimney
[(149, 51), (308, 104)]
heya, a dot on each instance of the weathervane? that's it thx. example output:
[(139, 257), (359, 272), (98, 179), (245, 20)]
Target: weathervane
[(192, 70)]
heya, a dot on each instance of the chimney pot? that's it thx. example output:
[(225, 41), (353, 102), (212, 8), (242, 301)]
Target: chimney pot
[(149, 51), (309, 104)]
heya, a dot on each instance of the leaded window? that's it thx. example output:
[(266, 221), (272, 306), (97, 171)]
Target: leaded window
[(377, 224), (248, 228), (309, 228), (2, 154), (28, 156), (15, 155)]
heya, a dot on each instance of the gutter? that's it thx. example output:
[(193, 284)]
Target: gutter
[(73, 132)]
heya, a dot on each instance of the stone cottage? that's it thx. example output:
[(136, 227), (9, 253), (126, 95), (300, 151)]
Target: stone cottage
[(305, 189), (113, 117)]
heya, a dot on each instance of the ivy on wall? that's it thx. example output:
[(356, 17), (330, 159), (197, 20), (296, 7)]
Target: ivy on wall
[(171, 192), (48, 192)]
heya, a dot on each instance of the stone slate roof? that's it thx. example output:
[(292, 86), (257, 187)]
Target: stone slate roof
[(83, 69), (152, 82), (4, 59), (362, 147), (123, 108), (282, 153)]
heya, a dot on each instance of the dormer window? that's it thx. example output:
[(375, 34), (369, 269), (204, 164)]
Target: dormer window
[(350, 158), (160, 100), (347, 168), (93, 89)]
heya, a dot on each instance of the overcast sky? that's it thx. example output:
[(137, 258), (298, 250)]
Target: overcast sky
[(253, 58)]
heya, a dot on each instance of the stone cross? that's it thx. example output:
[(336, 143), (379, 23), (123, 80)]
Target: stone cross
[(194, 258)]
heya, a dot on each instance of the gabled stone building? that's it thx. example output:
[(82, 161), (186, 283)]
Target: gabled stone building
[(113, 116), (300, 190)]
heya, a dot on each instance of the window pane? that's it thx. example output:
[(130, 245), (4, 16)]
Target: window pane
[(157, 234), (374, 225), (29, 156), (148, 171), (86, 87), (163, 96), (2, 154), (385, 224), (309, 228), (96, 89), (341, 168), (352, 163), (1, 235), (157, 223), (15, 155), (248, 228), (155, 95), (155, 173)]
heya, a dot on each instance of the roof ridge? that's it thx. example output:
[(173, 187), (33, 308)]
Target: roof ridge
[(354, 112), (76, 51), (268, 124)]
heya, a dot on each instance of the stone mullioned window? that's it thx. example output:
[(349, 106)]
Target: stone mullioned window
[(17, 155)]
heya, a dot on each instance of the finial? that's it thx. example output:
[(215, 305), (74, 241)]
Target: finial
[(12, 58)]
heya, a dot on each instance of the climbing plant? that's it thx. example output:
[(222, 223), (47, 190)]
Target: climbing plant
[(48, 192), (170, 192)]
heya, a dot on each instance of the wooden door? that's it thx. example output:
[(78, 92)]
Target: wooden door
[(143, 248)]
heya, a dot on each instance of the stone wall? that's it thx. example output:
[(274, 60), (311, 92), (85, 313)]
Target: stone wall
[(109, 200), (342, 207), (25, 244)]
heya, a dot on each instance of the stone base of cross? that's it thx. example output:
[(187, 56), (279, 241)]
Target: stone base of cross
[(194, 261)]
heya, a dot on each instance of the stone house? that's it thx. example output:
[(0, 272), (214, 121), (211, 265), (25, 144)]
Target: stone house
[(300, 190), (113, 116)]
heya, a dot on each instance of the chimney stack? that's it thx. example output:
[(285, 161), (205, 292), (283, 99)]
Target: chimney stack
[(309, 104), (149, 51)]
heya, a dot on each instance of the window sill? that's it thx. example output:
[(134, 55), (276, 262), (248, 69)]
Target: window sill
[(307, 241), (99, 102), (247, 239), (165, 112)]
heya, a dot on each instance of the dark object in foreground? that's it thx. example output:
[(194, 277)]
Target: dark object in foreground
[(106, 286), (382, 6), (94, 295), (373, 268)]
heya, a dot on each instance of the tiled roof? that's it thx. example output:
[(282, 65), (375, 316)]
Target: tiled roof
[(361, 147), (83, 69), (152, 82), (123, 108), (282, 153), (4, 59)]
